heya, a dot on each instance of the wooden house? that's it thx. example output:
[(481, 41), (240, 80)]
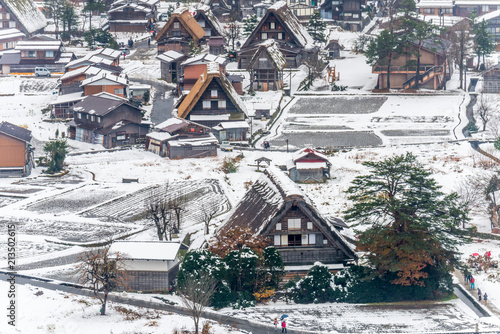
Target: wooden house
[(212, 100), (22, 15), (177, 138), (170, 65), (16, 153), (61, 107), (434, 68), (111, 84), (266, 67), (207, 20), (131, 15), (70, 82), (231, 131), (491, 80), (309, 166), (280, 24), (303, 9), (9, 38), (107, 120), (274, 207), (347, 13), (105, 58), (37, 51), (222, 9), (193, 67), (149, 266), (333, 48), (180, 30)]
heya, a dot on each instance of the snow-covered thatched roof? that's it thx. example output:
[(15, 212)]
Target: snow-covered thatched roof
[(205, 11), (270, 47), (30, 18)]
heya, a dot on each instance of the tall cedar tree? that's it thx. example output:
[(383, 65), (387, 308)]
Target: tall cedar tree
[(56, 151), (93, 6), (409, 224), (483, 41), (417, 32), (382, 50), (249, 25), (316, 27)]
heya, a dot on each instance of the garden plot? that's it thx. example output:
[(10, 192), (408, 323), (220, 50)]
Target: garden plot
[(38, 85), (79, 199), (337, 105), (28, 246), (326, 139), (67, 230), (75, 177), (7, 200), (133, 206)]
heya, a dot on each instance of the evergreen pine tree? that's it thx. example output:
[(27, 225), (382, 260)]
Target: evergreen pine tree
[(316, 27), (249, 25)]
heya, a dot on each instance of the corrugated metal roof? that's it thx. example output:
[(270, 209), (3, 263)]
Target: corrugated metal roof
[(15, 131)]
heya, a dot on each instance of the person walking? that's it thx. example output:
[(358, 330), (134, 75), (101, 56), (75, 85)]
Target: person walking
[(275, 324), (485, 298), (472, 283), (283, 327), (479, 293)]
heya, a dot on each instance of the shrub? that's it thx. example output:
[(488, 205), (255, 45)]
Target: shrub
[(230, 165), (471, 127), (316, 287)]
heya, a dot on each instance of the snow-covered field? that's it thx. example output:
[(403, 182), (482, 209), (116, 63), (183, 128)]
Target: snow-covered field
[(91, 202)]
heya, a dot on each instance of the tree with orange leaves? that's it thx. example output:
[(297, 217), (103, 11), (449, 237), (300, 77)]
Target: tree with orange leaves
[(237, 238)]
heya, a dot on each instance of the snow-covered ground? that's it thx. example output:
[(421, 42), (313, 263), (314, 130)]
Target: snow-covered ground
[(56, 209)]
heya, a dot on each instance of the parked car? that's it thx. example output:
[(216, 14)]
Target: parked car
[(42, 72), (226, 146)]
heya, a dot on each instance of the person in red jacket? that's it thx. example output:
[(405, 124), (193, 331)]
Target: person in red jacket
[(283, 327), (472, 283)]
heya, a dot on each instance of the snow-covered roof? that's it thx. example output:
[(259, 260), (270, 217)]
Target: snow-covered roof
[(10, 33), (87, 70), (195, 141), (270, 47), (68, 98), (106, 53), (310, 165), (146, 250), (489, 16), (90, 59), (231, 125), (27, 13), (103, 76), (434, 4), (39, 45), (205, 58), (136, 7), (305, 151), (159, 136), (170, 122), (289, 21), (170, 56), (204, 10), (184, 17)]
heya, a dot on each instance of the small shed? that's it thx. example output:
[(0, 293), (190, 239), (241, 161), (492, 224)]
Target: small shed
[(231, 131), (262, 110), (149, 265), (334, 47), (264, 160), (216, 45), (309, 166), (170, 65)]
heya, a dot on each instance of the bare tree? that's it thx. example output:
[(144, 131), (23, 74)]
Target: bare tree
[(232, 32), (196, 294), (209, 211), (494, 124), (102, 272), (471, 190), (485, 109), (159, 212), (177, 205)]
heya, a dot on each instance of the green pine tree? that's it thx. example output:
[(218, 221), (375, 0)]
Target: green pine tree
[(249, 25), (409, 225), (56, 151), (382, 50), (483, 41), (316, 27)]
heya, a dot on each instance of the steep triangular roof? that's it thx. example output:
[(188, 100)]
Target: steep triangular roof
[(27, 13), (270, 47), (211, 72), (206, 13), (187, 20), (289, 21), (270, 198)]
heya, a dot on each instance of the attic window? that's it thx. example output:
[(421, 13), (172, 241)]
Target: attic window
[(281, 35), (263, 35), (272, 25), (79, 115), (176, 25), (202, 23), (294, 223), (213, 93), (98, 119), (278, 227), (309, 225), (207, 105), (221, 104)]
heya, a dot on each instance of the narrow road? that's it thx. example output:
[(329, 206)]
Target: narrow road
[(242, 324)]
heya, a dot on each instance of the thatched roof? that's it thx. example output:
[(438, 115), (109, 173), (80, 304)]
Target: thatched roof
[(188, 22)]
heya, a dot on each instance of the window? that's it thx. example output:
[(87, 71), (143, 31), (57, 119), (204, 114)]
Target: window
[(272, 25), (12, 24), (7, 16), (176, 33), (294, 224), (284, 240), (177, 25), (263, 35), (448, 10), (98, 119), (428, 10), (355, 16), (309, 225), (277, 239), (202, 23), (325, 242), (49, 54), (207, 105), (485, 8), (213, 93), (79, 115), (92, 118), (118, 91), (278, 227), (304, 239), (32, 54), (281, 35), (294, 240), (497, 29), (221, 104), (312, 239)]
